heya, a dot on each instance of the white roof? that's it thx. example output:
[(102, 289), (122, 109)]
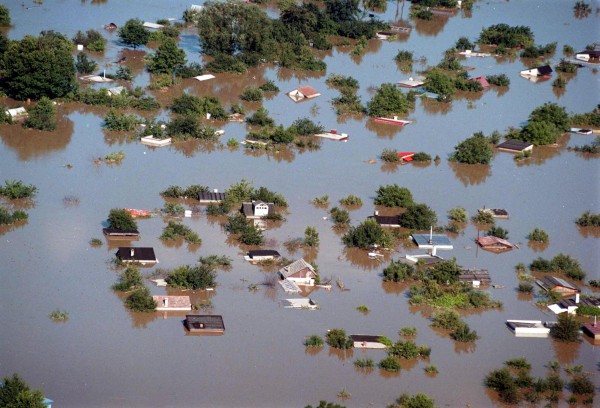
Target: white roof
[(204, 77), (116, 90), (153, 26), (17, 112), (95, 78), (196, 7)]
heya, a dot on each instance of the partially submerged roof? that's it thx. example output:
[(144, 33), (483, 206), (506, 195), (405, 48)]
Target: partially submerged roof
[(17, 112), (511, 145), (113, 232), (482, 80), (428, 241), (470, 275), (139, 254), (491, 241), (172, 302), (296, 268), (211, 197), (152, 26), (412, 82), (117, 90), (303, 303), (248, 208), (263, 252), (303, 92), (387, 220), (204, 77), (365, 337), (205, 323), (552, 282)]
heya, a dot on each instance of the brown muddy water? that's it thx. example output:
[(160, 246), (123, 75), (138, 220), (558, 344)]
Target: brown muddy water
[(106, 356)]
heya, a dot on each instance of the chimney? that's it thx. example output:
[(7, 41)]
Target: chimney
[(577, 298), (166, 302), (132, 251), (376, 212), (216, 190)]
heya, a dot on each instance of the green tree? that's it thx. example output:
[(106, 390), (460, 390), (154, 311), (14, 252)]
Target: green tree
[(141, 301), (397, 271), (39, 66), (311, 237), (337, 338), (551, 113), (389, 100), (414, 401), (4, 16), (497, 232), (341, 10), (367, 234), (439, 83), (192, 277), (445, 272), (121, 220), (538, 235), (84, 65), (133, 33), (539, 133), (473, 150), (129, 279), (167, 57), (417, 217), (458, 214), (393, 196), (15, 393), (566, 328), (15, 189), (42, 116)]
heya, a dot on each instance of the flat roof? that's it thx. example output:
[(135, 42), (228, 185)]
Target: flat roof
[(441, 241)]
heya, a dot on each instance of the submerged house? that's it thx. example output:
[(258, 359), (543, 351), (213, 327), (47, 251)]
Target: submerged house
[(557, 285), (431, 241), (172, 302), (206, 197), (304, 303), (117, 233), (391, 221), (475, 277), (588, 56), (209, 324), (529, 328), (496, 212), (592, 330), (367, 341), (544, 71), (570, 304), (261, 255), (117, 90), (17, 113), (482, 80), (257, 209), (141, 255), (299, 272), (303, 92), (492, 243), (515, 146)]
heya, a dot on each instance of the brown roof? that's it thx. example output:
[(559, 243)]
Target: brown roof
[(475, 275), (308, 91), (175, 302), (593, 329), (514, 145), (491, 241), (551, 282), (208, 323), (131, 254)]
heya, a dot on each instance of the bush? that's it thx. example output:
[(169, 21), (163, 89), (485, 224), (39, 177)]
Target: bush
[(502, 381), (447, 319), (416, 401), (474, 150), (393, 196), (364, 363), (408, 332), (84, 65), (190, 127), (141, 301), (339, 216), (404, 56), (314, 341), (337, 338), (421, 157), (520, 363), (584, 310), (120, 121), (4, 16), (260, 118), (311, 237), (398, 271), (390, 155), (566, 328), (15, 189), (269, 86), (417, 217), (175, 230), (322, 200), (342, 82), (42, 116), (129, 279), (252, 94), (306, 127), (507, 36), (389, 100), (581, 384), (121, 220), (59, 315), (588, 219), (192, 277), (483, 217), (497, 232), (525, 287), (457, 214), (351, 200), (366, 234), (174, 209), (6, 217), (498, 80), (390, 364)]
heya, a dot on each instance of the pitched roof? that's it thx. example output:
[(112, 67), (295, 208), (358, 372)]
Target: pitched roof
[(263, 252), (490, 240), (482, 80), (210, 196), (514, 145), (392, 220), (248, 208), (136, 254), (308, 91), (585, 301), (296, 267), (551, 282), (469, 275), (205, 322), (544, 70), (172, 302)]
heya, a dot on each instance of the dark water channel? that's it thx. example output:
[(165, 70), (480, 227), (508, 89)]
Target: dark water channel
[(106, 356)]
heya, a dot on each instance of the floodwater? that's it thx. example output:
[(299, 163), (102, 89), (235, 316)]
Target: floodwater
[(106, 356)]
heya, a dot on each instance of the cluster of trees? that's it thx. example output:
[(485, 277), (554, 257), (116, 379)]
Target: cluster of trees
[(475, 150), (450, 320), (588, 219), (139, 298), (367, 234), (91, 39), (245, 191), (445, 84), (187, 192), (272, 134), (247, 234), (121, 220), (546, 124), (416, 217), (16, 189), (174, 230), (135, 98), (505, 36), (560, 263), (348, 101), (192, 277), (246, 34), (587, 119), (390, 100), (514, 383), (15, 393)]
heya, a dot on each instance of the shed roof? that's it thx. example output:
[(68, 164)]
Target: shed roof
[(514, 145), (210, 196), (172, 302), (389, 220), (490, 240), (140, 254), (205, 322), (263, 252), (365, 337)]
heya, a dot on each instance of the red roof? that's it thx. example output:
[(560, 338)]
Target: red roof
[(308, 91), (493, 241), (406, 156), (138, 213), (482, 81), (594, 329)]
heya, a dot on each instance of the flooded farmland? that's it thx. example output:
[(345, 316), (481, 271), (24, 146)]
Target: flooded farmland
[(107, 356)]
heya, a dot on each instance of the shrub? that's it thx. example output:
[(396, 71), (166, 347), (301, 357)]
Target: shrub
[(351, 200), (84, 65), (6, 217), (421, 157), (584, 310), (538, 235), (59, 315), (457, 214), (95, 242), (581, 384), (408, 332), (397, 271), (16, 189), (390, 155), (192, 277), (474, 150), (415, 401), (566, 328), (252, 94), (393, 196), (129, 279), (463, 43), (525, 287), (594, 283), (306, 127), (390, 363), (483, 217), (269, 86), (260, 118), (340, 217), (337, 338), (189, 127), (364, 363), (404, 56), (342, 82), (314, 341), (42, 116), (520, 363), (498, 80), (363, 308), (588, 219), (431, 369), (417, 217), (498, 232), (121, 220), (174, 209), (389, 100), (173, 230), (322, 200), (311, 237), (120, 121), (141, 301)]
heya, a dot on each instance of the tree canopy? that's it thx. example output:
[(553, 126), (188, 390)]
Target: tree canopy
[(121, 220), (42, 116), (473, 150), (167, 58), (389, 100), (367, 234), (15, 393), (393, 195), (507, 36), (39, 66), (418, 217), (134, 33)]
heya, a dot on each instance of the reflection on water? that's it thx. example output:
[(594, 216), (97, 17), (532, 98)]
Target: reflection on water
[(471, 174)]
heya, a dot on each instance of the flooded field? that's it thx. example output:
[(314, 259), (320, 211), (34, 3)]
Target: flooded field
[(107, 356)]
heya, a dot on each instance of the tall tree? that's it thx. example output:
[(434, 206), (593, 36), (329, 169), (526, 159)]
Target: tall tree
[(42, 116), (15, 393), (4, 16), (167, 58), (41, 66), (133, 33)]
